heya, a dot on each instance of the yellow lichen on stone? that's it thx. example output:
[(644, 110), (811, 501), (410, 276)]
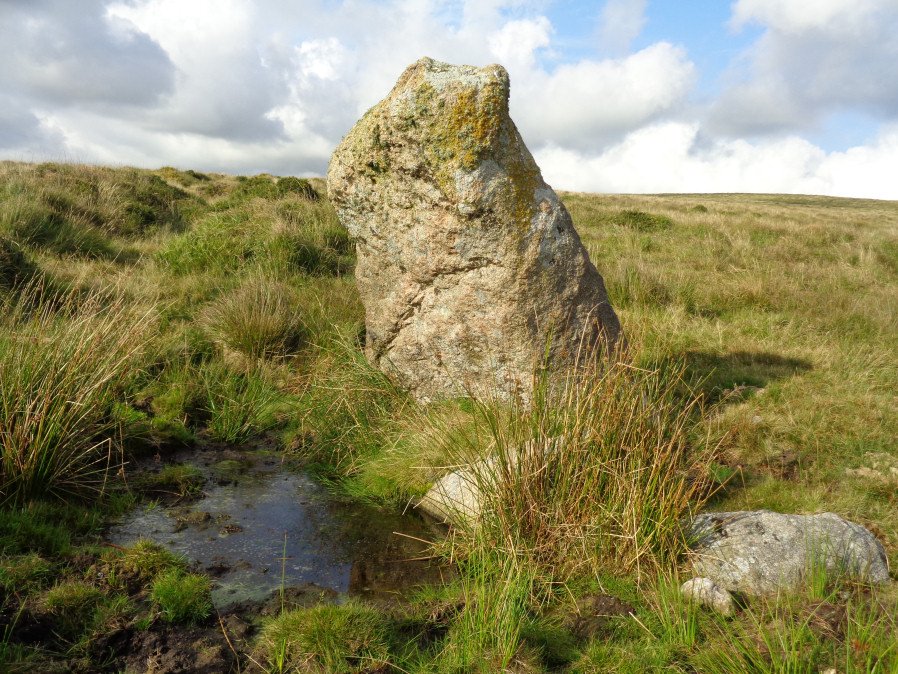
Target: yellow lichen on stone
[(463, 125), (524, 179), (471, 126)]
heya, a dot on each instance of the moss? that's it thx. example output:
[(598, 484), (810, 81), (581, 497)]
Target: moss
[(174, 479)]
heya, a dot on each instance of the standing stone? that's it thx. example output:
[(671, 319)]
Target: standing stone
[(469, 266)]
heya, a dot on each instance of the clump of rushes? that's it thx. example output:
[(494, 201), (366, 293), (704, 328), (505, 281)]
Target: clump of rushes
[(346, 638), (261, 319), (63, 363), (597, 473), (183, 598)]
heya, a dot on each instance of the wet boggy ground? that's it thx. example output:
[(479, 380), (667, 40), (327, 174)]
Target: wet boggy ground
[(260, 525), (272, 539)]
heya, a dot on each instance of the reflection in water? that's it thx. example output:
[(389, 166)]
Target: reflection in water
[(261, 526)]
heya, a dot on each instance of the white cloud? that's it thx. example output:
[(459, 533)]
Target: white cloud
[(868, 170), (588, 103), (672, 157), (22, 134), (60, 54), (620, 22), (223, 88), (515, 43), (801, 15), (815, 58)]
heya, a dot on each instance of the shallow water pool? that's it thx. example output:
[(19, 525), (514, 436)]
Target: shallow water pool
[(261, 525)]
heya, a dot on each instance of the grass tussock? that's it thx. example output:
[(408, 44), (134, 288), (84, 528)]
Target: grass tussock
[(261, 319), (182, 598), (597, 474), (347, 638), (15, 267), (63, 367)]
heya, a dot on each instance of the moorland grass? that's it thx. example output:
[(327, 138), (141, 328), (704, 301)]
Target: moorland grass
[(766, 333), (63, 363), (786, 308)]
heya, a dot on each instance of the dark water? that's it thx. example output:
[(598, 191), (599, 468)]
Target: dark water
[(260, 526)]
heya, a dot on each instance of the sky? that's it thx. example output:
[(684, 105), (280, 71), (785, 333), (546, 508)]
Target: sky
[(633, 96)]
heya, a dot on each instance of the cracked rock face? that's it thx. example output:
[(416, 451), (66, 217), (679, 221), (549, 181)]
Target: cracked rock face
[(469, 266), (763, 552)]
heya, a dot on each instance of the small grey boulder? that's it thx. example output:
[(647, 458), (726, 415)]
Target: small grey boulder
[(706, 592), (455, 498), (458, 497), (762, 552)]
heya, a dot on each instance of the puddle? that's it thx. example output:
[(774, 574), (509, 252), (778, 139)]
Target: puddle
[(260, 526)]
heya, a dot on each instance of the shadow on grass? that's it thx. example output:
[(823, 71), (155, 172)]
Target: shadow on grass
[(735, 375)]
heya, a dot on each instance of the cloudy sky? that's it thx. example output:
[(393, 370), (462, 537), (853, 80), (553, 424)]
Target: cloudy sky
[(614, 96)]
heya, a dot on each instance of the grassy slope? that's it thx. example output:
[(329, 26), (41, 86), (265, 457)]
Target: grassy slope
[(783, 308), (793, 296)]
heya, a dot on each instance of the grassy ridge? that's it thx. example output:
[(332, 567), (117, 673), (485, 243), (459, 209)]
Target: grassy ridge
[(764, 332)]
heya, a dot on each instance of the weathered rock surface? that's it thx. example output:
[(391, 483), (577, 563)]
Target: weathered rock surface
[(877, 467), (468, 263), (763, 552), (706, 592)]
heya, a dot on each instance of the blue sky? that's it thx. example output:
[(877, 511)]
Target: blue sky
[(611, 96)]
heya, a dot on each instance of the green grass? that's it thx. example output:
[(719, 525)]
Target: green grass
[(73, 606), (346, 638), (22, 573), (240, 405), (182, 598)]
